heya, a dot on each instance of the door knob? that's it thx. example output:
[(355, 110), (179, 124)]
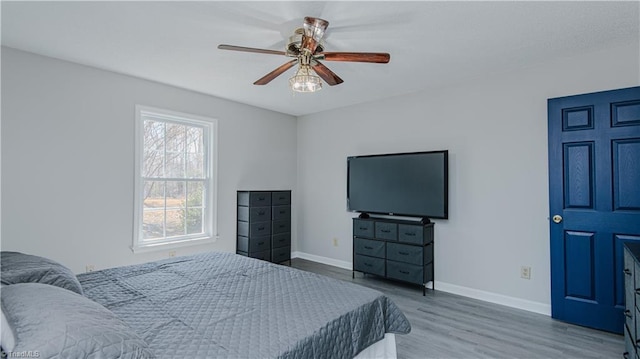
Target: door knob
[(557, 218)]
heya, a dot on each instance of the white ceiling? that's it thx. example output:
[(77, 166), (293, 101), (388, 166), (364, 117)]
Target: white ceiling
[(432, 44)]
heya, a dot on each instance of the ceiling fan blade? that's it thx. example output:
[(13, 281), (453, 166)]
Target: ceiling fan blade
[(275, 73), (327, 75), (376, 57), (250, 49)]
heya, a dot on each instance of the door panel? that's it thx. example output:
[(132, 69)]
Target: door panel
[(626, 174), (579, 270), (626, 113), (594, 185), (578, 180)]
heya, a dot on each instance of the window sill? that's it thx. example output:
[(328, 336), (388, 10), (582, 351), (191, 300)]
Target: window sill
[(154, 247)]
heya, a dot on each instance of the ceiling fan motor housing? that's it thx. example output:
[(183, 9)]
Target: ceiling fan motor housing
[(295, 42)]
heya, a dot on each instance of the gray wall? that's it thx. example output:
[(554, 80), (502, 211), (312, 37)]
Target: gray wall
[(495, 129), (67, 158)]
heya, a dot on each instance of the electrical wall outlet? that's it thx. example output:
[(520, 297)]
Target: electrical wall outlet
[(90, 268), (335, 242), (172, 253), (525, 272)]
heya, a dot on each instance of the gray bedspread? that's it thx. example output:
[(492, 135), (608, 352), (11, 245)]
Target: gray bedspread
[(222, 305)]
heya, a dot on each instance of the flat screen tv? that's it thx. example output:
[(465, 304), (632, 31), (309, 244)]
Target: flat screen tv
[(406, 184)]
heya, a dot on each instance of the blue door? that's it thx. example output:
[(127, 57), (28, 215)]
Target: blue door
[(594, 203)]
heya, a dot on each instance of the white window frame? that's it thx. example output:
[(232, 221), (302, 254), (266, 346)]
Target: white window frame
[(210, 127)]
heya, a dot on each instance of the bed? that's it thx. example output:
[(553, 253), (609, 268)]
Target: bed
[(209, 305)]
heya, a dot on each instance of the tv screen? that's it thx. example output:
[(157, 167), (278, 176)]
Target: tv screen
[(407, 184)]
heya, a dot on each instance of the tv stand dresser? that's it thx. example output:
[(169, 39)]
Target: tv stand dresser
[(394, 249)]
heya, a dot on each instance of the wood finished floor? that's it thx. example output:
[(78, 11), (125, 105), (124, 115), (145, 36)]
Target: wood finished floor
[(445, 325)]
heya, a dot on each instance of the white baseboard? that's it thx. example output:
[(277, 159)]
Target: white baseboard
[(323, 260), (513, 302), (490, 297)]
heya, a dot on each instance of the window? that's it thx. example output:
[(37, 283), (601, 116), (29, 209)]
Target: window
[(175, 181)]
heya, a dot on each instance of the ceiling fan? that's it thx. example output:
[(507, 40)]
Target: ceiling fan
[(307, 49)]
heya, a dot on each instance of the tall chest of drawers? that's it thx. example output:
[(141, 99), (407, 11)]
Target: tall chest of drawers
[(264, 225), (632, 300), (394, 249)]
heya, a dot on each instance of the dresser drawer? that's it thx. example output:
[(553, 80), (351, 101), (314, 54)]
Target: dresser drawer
[(264, 255), (280, 213), (254, 214), (369, 247), (629, 282), (388, 231), (367, 264), (281, 240), (629, 292), (415, 234), (258, 229), (256, 244), (281, 227), (280, 198), (634, 335), (629, 346), (405, 272), (630, 320), (636, 284), (363, 228), (409, 233), (254, 199), (279, 255), (405, 253)]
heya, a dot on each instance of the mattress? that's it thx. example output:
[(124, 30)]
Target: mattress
[(223, 305)]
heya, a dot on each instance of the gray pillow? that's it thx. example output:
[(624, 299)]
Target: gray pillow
[(7, 340), (57, 323), (16, 267)]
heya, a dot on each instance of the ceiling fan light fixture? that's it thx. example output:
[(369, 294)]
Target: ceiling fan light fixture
[(313, 31), (314, 27), (305, 81)]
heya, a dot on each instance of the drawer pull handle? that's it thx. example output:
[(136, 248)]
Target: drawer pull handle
[(625, 355), (385, 230), (363, 228), (261, 198), (261, 213), (410, 234), (627, 313), (403, 271), (260, 243), (627, 271), (367, 247), (280, 197), (403, 253), (283, 212), (368, 264), (261, 228)]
